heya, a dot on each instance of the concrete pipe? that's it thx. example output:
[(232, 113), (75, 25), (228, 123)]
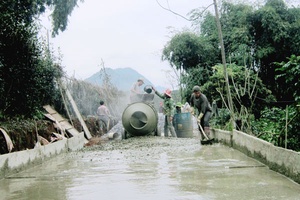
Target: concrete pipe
[(140, 119)]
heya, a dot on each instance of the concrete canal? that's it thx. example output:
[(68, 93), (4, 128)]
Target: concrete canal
[(150, 168)]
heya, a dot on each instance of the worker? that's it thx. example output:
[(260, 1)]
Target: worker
[(135, 90), (202, 111), (160, 109), (168, 111), (178, 108), (104, 116), (186, 108)]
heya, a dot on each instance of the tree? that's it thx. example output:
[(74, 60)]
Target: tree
[(271, 126), (257, 38), (62, 9), (186, 50), (236, 34), (27, 11), (27, 71), (275, 35), (190, 54), (195, 76), (249, 94), (288, 74)]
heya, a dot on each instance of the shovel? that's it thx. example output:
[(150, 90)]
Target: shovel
[(207, 141)]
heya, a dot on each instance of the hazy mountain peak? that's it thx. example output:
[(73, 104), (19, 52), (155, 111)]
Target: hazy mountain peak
[(122, 78)]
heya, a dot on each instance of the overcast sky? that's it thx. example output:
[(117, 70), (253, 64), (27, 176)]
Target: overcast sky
[(122, 33)]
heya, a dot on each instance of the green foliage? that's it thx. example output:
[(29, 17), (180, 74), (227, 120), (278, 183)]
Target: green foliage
[(27, 73), (221, 121), (249, 94), (208, 28), (62, 9), (236, 36), (256, 37), (253, 37), (187, 50), (289, 73), (275, 33), (257, 42), (242, 82), (195, 76), (193, 56), (270, 124), (25, 12), (271, 127)]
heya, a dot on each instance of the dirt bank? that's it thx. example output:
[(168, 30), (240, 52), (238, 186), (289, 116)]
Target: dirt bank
[(23, 133)]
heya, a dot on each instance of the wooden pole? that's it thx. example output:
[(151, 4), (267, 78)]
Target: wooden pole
[(75, 108), (64, 100), (229, 97), (85, 129), (286, 126)]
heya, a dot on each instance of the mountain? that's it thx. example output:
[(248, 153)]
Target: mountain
[(122, 78)]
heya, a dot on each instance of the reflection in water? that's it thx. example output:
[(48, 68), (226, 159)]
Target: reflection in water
[(150, 168), (46, 181)]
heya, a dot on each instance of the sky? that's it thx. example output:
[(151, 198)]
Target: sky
[(123, 33), (119, 34)]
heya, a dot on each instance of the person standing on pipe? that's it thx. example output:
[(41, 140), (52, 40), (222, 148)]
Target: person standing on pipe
[(168, 111), (135, 90), (203, 110), (104, 115)]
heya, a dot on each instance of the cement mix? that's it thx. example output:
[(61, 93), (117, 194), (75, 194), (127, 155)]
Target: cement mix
[(150, 168)]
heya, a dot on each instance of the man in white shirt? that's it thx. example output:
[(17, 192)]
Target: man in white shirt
[(135, 90)]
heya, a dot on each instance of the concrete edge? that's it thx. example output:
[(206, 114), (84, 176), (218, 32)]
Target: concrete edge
[(17, 161), (284, 161)]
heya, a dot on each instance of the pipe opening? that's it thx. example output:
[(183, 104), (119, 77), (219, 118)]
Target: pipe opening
[(138, 120)]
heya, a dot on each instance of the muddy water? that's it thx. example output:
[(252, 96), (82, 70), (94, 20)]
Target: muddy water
[(150, 168)]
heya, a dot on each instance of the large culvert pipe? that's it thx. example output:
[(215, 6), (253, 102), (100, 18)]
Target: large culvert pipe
[(140, 119)]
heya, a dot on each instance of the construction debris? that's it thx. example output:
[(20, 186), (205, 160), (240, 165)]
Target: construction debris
[(9, 143)]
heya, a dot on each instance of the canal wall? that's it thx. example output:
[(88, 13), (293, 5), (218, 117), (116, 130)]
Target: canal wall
[(284, 161), (14, 162)]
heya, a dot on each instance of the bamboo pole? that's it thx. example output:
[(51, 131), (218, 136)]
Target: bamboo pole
[(286, 126), (230, 104)]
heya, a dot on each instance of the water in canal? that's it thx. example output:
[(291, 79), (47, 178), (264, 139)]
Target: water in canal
[(150, 168)]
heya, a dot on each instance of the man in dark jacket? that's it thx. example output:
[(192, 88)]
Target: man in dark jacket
[(203, 110)]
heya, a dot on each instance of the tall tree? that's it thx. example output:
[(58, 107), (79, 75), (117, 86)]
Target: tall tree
[(187, 50), (27, 76), (275, 32), (288, 74), (62, 9), (193, 56), (236, 34), (257, 37)]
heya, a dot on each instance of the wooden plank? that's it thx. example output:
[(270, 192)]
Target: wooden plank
[(49, 109), (66, 125), (85, 129), (9, 143), (58, 117), (49, 116), (55, 117)]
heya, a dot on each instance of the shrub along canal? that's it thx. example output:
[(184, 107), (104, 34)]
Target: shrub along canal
[(150, 168)]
